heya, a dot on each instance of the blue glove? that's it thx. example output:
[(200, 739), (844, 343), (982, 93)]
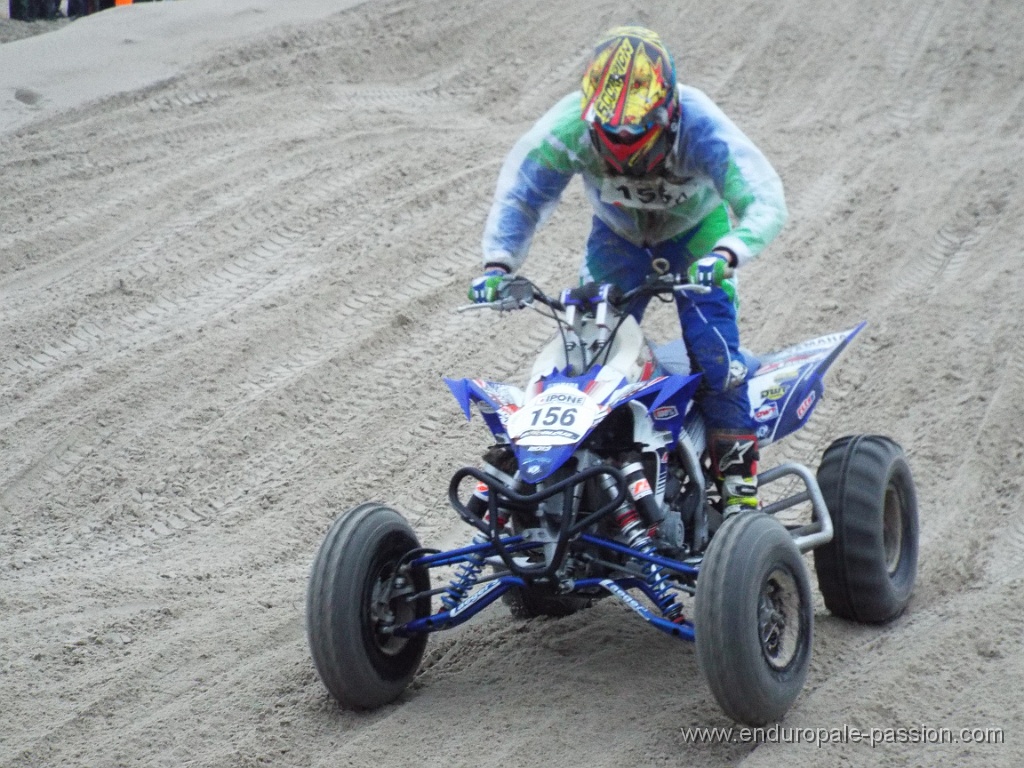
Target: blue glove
[(486, 288)]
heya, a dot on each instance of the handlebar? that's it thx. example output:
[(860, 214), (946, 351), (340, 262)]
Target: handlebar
[(661, 284), (519, 292)]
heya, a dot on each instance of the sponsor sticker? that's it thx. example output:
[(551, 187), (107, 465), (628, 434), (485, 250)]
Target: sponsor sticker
[(627, 598), (805, 406), (665, 412), (769, 367), (557, 435), (640, 489), (561, 397), (474, 598)]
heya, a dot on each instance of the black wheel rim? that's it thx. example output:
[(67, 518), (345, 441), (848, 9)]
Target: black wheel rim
[(892, 528), (779, 618), (385, 610)]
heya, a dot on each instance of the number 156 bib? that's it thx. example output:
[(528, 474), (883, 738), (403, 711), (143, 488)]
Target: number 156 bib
[(651, 194)]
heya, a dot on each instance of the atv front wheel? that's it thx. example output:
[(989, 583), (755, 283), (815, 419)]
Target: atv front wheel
[(867, 572), (753, 618), (356, 597)]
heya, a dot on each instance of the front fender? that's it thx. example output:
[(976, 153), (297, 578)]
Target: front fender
[(496, 402), (666, 399)]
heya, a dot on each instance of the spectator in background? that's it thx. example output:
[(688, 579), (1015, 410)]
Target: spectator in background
[(80, 8), (30, 10), (85, 7)]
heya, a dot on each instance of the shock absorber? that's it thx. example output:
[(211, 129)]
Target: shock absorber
[(500, 463), (468, 572), (465, 577), (634, 530)]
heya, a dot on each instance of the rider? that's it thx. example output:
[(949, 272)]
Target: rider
[(663, 168)]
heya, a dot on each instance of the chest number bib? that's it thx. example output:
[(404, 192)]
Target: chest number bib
[(651, 194)]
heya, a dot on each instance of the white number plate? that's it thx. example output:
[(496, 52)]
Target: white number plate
[(560, 415)]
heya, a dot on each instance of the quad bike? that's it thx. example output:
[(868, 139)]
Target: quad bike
[(598, 483)]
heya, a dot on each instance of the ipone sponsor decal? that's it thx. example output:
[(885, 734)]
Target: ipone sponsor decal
[(561, 397)]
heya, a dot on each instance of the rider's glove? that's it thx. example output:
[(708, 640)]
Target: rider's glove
[(485, 288), (710, 271)]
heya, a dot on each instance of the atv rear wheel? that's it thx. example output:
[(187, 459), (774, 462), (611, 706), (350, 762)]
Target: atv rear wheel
[(753, 618), (356, 596), (867, 572)]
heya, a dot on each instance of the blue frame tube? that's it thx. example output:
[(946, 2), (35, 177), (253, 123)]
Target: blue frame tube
[(466, 610), (492, 590), (672, 565), (455, 555)]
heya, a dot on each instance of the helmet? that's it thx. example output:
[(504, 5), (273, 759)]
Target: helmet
[(629, 100)]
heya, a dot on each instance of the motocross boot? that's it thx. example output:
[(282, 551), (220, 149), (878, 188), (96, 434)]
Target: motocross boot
[(734, 459), (739, 494)]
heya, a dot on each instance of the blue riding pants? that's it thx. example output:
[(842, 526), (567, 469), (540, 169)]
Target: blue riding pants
[(708, 321)]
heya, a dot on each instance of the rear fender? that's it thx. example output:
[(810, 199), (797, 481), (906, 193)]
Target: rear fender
[(788, 385)]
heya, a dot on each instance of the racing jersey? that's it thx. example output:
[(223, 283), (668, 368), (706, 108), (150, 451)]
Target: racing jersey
[(712, 162)]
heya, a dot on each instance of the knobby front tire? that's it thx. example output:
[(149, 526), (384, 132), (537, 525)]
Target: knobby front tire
[(351, 603), (754, 619)]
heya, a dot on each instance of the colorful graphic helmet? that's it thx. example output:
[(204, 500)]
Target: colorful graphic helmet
[(629, 100)]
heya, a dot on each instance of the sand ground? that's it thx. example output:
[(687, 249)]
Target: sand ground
[(232, 238)]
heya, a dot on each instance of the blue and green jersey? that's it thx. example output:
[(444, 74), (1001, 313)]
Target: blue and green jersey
[(712, 162)]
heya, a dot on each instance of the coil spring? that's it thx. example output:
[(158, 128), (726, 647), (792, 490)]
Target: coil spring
[(465, 577), (657, 579), (637, 537)]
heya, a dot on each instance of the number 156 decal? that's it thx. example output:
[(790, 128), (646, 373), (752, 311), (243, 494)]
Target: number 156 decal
[(560, 415), (551, 415)]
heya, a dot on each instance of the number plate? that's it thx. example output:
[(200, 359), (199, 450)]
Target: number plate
[(560, 415)]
